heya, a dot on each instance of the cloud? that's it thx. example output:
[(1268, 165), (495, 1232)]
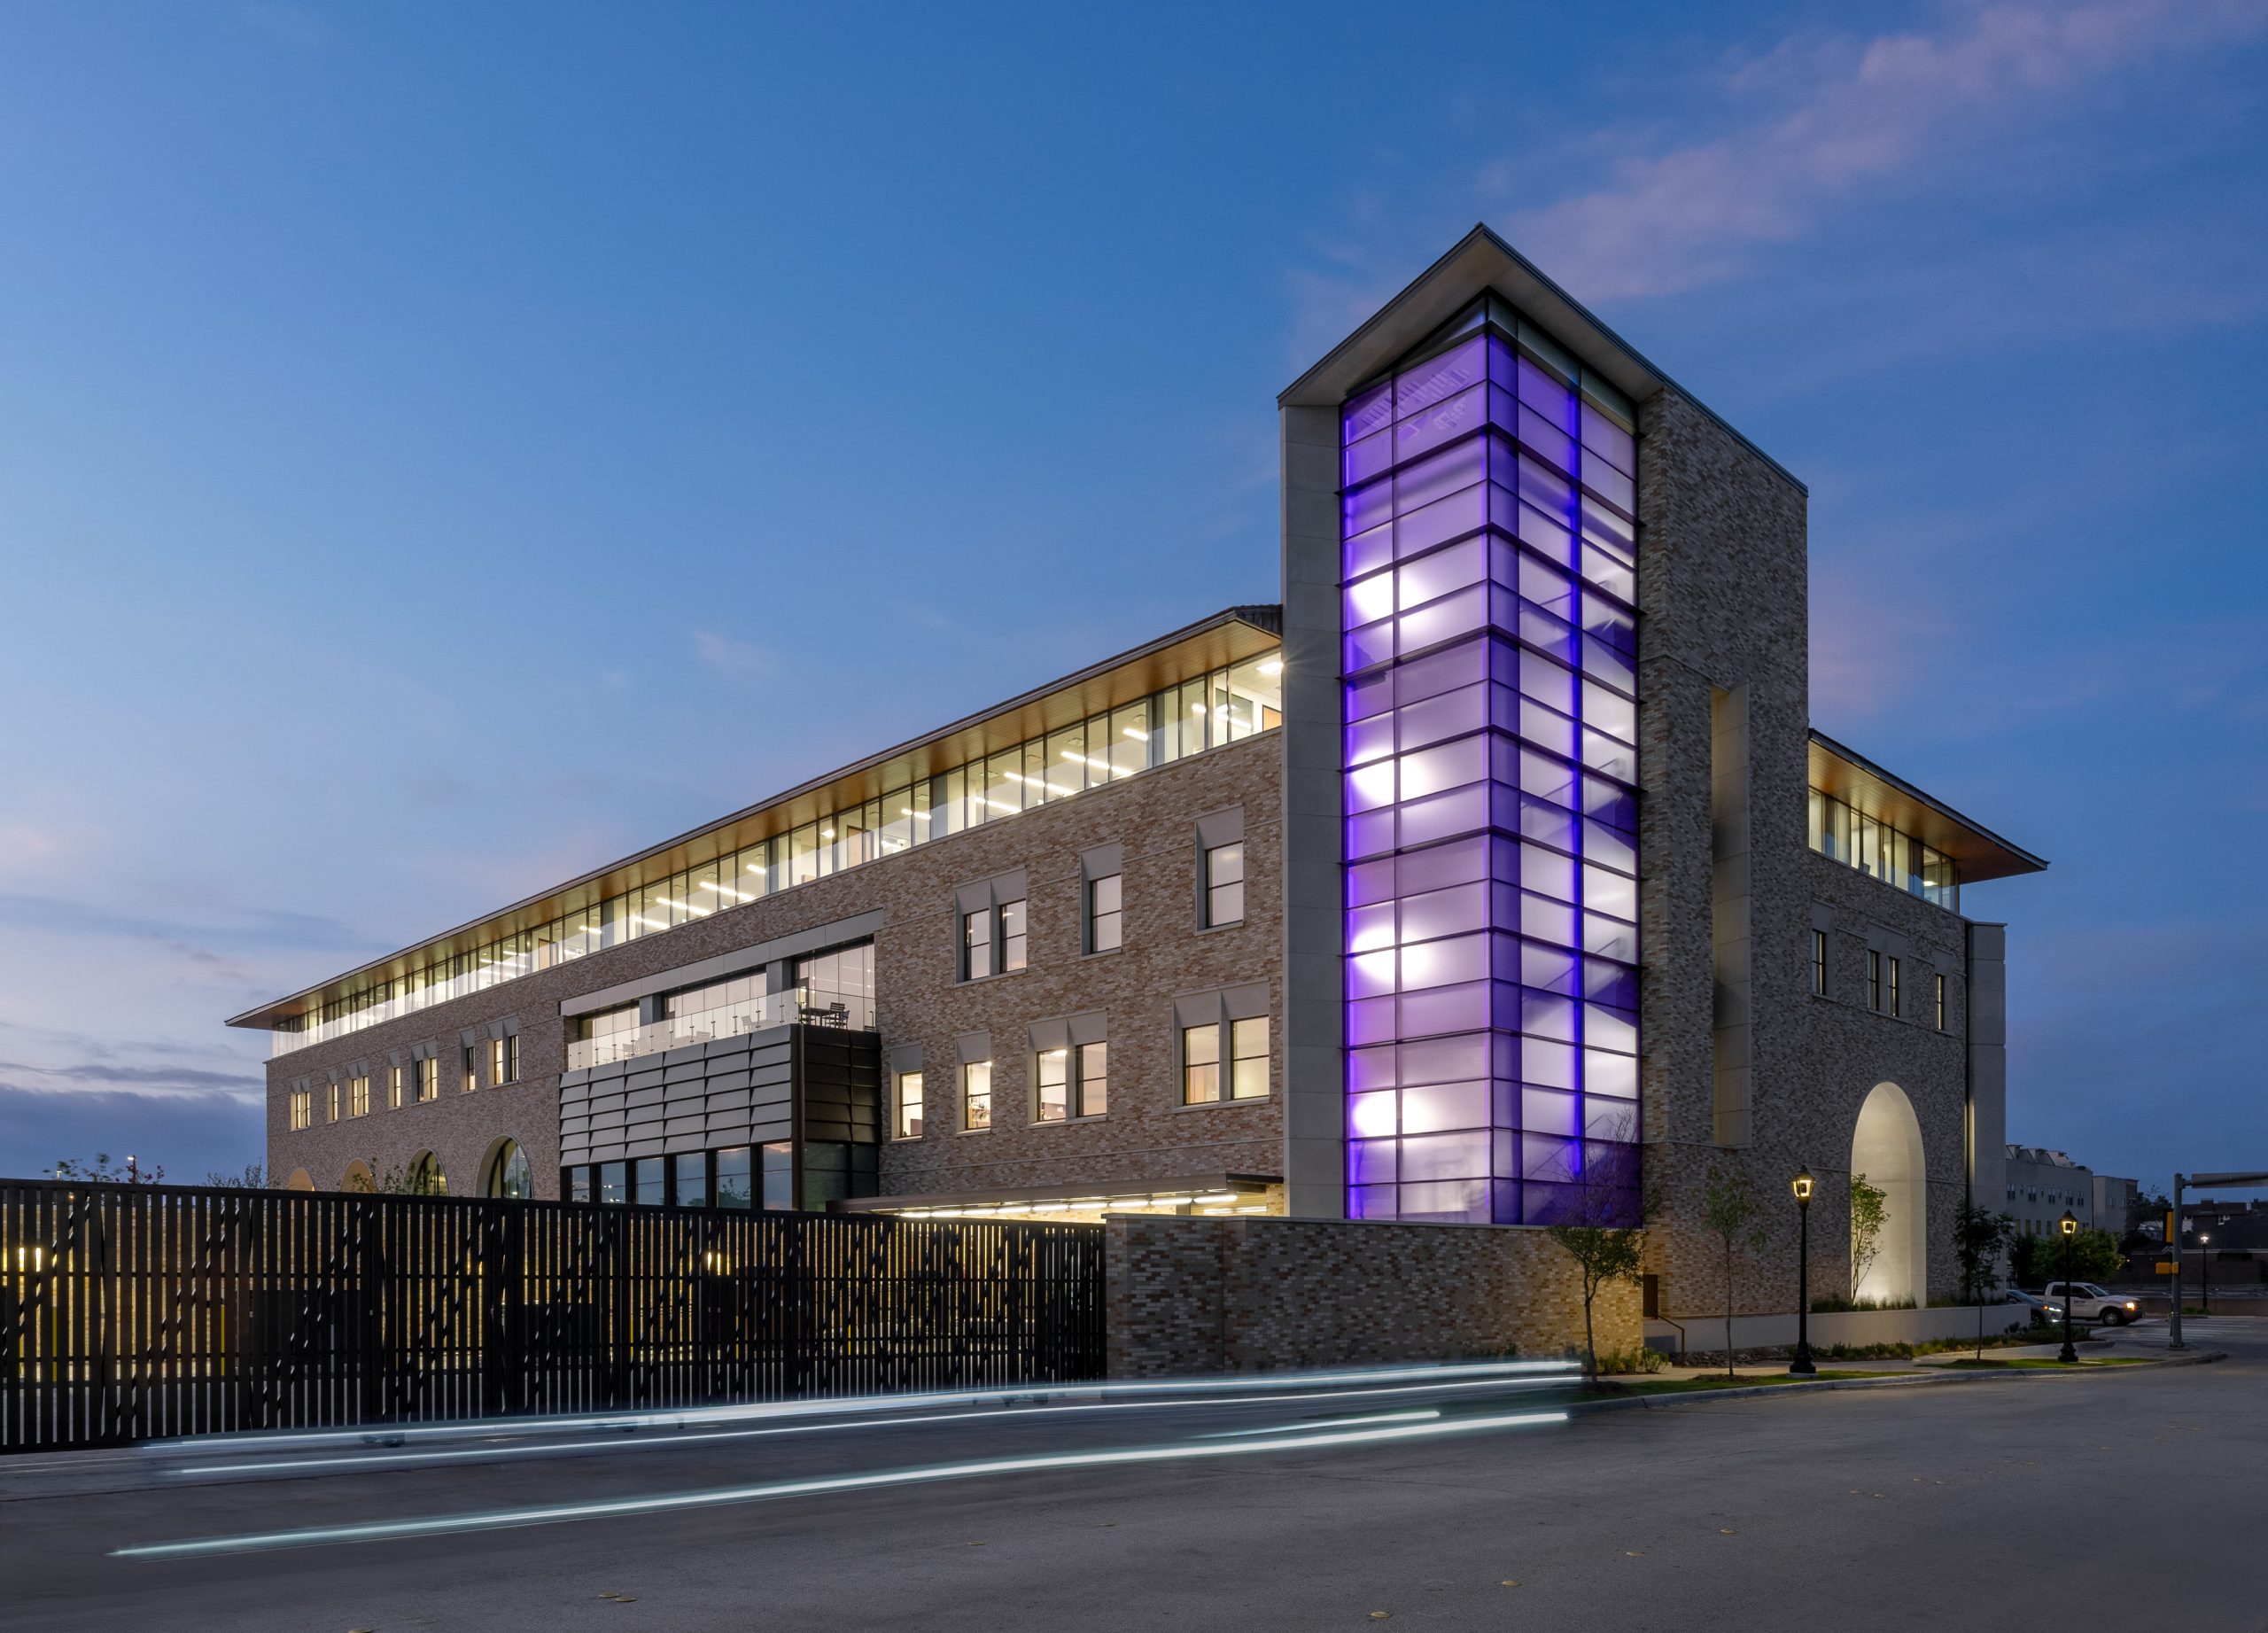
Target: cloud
[(137, 1079), (188, 1135), (729, 656), (256, 929), (1845, 115)]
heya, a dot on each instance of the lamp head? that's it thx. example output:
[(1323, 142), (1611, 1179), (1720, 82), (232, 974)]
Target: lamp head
[(1801, 1184), (2067, 1225)]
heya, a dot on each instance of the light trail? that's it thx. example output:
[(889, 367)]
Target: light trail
[(372, 1459), (397, 1530), (704, 1417)]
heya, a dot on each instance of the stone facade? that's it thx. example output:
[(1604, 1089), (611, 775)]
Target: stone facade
[(1722, 586), (1146, 1135), (1192, 1295)]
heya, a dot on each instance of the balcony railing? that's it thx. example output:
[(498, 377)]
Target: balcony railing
[(813, 1005)]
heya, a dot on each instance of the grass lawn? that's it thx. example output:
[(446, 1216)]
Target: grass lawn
[(1974, 1365), (1695, 1386)]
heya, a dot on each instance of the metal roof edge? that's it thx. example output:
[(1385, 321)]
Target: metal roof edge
[(2036, 864), (1266, 617), (1370, 347)]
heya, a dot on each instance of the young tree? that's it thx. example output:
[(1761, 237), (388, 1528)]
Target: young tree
[(1594, 1229), (1869, 1211), (102, 1171), (2096, 1257), (253, 1179), (1729, 1208), (2026, 1262), (1978, 1236)]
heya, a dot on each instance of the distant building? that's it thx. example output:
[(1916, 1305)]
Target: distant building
[(2042, 1184)]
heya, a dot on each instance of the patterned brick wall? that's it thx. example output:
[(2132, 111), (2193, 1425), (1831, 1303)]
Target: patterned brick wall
[(1191, 1295)]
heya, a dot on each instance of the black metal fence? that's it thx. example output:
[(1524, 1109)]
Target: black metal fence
[(130, 1312)]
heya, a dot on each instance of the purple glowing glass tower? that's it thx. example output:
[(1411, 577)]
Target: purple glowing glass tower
[(1489, 652)]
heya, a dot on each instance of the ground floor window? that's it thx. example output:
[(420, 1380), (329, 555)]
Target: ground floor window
[(509, 1174)]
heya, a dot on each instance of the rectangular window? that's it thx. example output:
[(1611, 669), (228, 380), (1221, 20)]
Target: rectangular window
[(358, 1097), (908, 1125), (779, 1175), (1011, 936), (397, 1077), (331, 1095), (1874, 979), (1941, 1003), (1225, 884), (1893, 987), (1103, 921), (1090, 1065), (653, 1181), (1818, 963), (303, 1107), (504, 1059), (690, 1179), (429, 1077), (614, 1182), (734, 1185), (976, 1094), (470, 1080), (578, 1185), (1201, 1065), (976, 944), (1053, 1076), (1248, 1059)]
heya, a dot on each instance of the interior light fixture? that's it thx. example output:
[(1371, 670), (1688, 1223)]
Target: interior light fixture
[(1274, 666), (1138, 734), (918, 816)]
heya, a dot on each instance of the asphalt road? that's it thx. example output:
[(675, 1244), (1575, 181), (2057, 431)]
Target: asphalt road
[(2009, 1505)]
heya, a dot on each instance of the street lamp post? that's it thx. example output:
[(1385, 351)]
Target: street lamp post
[(2070, 1226), (1799, 1364), (2204, 1277)]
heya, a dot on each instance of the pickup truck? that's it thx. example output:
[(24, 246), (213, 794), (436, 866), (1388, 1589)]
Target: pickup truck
[(2090, 1302)]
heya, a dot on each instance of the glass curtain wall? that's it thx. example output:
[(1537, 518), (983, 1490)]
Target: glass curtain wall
[(1222, 707), (1488, 583), (1844, 834)]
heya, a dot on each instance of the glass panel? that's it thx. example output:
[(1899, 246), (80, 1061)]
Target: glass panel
[(691, 1178), (778, 1175)]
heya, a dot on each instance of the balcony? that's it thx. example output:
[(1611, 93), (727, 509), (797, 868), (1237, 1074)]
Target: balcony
[(813, 1006)]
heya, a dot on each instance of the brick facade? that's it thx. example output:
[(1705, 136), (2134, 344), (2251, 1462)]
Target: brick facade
[(1192, 1295), (1146, 1135)]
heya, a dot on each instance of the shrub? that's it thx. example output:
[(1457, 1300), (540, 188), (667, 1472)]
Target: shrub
[(1628, 1361)]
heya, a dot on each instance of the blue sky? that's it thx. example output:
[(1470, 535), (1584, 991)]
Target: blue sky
[(444, 447)]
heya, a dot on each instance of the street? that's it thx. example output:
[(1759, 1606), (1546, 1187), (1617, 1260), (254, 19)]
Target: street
[(2015, 1503)]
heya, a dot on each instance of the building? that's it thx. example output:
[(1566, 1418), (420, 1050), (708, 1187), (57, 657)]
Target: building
[(2042, 1184), (1494, 876)]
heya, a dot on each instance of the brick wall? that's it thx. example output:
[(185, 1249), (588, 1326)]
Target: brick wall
[(1147, 1134), (1191, 1295)]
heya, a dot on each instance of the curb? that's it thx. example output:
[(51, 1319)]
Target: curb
[(1694, 1398)]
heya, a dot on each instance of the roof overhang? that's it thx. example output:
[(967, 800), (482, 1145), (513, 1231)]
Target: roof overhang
[(1123, 1193), (1227, 637), (1977, 853), (1480, 261)]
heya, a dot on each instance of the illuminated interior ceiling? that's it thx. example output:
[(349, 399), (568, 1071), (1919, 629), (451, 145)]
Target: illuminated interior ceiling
[(1977, 853)]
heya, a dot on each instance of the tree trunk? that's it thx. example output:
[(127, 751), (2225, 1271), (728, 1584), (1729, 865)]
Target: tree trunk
[(1728, 1307), (1590, 1344)]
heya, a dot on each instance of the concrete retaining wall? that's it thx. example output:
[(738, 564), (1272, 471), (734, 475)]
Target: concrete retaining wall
[(1849, 1326), (1247, 1295)]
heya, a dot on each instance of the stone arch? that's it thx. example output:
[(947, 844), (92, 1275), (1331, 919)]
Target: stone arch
[(424, 1178), (358, 1178), (505, 1171), (1886, 1148), (300, 1180)]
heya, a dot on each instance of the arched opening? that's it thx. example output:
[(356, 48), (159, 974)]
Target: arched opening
[(425, 1177), (358, 1178), (300, 1180), (1886, 1152), (505, 1172)]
